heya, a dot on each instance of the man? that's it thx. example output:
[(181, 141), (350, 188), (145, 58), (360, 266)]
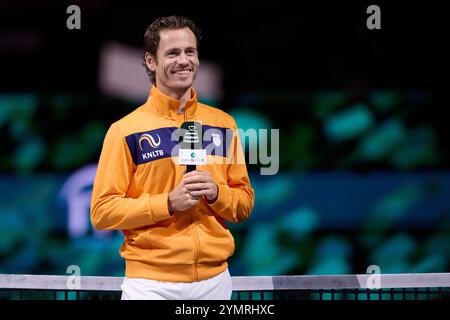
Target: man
[(176, 240)]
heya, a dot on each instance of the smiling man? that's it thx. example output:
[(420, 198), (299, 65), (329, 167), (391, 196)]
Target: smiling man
[(177, 242)]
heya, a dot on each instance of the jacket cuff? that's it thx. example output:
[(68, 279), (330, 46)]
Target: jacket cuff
[(158, 207), (222, 199)]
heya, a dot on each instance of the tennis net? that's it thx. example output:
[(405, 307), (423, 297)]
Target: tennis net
[(415, 286)]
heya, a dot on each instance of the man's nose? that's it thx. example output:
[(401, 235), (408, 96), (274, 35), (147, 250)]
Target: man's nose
[(183, 59)]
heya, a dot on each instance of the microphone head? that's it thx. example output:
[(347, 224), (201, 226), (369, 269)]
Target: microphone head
[(191, 135), (191, 152)]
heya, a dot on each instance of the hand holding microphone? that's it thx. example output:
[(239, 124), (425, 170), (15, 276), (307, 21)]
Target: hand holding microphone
[(180, 198), (201, 183), (195, 184)]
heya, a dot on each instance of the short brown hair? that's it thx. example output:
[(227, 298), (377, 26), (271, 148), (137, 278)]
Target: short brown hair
[(152, 36)]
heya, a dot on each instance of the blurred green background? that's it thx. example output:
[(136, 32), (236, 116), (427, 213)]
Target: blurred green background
[(327, 211)]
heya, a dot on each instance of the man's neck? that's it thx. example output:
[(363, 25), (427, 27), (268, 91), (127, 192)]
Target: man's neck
[(182, 95)]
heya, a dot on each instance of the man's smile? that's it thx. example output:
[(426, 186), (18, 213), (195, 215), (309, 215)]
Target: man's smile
[(183, 72)]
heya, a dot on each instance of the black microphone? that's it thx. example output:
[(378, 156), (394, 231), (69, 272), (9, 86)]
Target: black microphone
[(191, 145)]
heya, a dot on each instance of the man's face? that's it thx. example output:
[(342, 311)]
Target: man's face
[(177, 60)]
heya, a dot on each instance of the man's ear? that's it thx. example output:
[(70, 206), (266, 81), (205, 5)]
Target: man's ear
[(150, 61)]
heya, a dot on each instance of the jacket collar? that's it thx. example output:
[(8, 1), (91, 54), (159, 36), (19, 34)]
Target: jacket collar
[(168, 107)]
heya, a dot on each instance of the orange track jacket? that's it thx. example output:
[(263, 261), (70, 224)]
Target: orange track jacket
[(137, 170)]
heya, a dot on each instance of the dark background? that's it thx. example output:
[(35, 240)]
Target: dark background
[(281, 45)]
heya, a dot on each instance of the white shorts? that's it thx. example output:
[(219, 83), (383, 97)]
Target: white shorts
[(215, 288)]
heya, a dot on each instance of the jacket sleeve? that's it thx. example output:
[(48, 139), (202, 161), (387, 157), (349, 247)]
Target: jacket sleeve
[(235, 200), (111, 208)]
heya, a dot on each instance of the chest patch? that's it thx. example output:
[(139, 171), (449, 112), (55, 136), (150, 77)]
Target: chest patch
[(164, 142)]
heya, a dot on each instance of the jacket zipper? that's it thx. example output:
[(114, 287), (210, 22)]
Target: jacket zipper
[(196, 239), (196, 244)]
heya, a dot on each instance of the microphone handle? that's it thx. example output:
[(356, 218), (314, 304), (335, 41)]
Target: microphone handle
[(190, 167)]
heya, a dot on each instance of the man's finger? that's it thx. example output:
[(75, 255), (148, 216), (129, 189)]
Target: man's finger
[(197, 186), (192, 173), (195, 179), (198, 172), (191, 196), (199, 193)]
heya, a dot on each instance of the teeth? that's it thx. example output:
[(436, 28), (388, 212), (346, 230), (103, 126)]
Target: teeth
[(183, 71)]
